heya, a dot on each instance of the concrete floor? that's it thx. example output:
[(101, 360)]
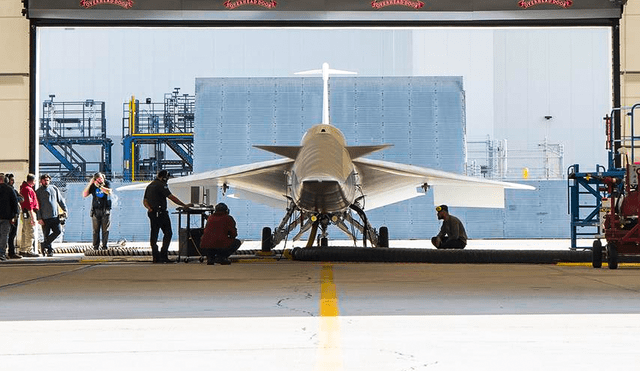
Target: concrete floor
[(266, 315)]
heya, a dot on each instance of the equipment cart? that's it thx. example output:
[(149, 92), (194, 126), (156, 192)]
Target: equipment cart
[(619, 216), (620, 211), (190, 234)]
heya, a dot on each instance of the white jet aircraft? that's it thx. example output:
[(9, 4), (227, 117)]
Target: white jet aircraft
[(323, 179)]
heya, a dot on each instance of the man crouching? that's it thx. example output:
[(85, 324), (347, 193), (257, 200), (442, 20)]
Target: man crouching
[(452, 234)]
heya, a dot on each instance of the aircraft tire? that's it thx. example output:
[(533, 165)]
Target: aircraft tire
[(383, 237), (324, 242), (597, 254), (267, 239)]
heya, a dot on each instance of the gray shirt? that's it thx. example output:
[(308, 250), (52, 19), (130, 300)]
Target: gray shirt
[(49, 198), (453, 229)]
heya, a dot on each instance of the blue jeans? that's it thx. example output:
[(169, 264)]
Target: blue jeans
[(51, 231)]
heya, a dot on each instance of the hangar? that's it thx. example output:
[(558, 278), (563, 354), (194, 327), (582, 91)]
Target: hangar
[(532, 317), (56, 23)]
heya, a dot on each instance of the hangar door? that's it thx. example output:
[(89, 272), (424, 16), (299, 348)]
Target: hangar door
[(512, 78)]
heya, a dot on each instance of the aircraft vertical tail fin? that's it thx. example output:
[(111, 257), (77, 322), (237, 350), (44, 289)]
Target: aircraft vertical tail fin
[(325, 71)]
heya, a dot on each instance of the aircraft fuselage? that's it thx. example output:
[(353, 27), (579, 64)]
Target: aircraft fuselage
[(323, 178)]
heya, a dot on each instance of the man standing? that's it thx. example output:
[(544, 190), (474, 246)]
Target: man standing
[(100, 189), (219, 236), (10, 181), (452, 234), (8, 214), (49, 199), (28, 217), (155, 201)]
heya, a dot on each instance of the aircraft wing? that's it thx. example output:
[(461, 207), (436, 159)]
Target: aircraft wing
[(384, 183), (264, 182)]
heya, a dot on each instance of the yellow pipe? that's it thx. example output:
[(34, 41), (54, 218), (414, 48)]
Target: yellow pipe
[(132, 123), (132, 114), (133, 160), (312, 235)]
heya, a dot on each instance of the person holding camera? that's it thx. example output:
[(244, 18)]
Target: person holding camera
[(49, 217), (100, 189)]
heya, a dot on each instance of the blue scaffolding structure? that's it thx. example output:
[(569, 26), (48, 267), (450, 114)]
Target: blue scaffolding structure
[(66, 130), (588, 189), (158, 136)]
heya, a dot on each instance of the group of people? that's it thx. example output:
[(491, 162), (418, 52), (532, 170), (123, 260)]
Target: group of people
[(219, 238), (46, 207)]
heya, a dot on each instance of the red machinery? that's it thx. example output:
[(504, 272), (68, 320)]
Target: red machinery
[(619, 219)]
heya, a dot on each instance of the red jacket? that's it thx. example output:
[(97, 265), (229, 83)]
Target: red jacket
[(220, 231), (30, 200)]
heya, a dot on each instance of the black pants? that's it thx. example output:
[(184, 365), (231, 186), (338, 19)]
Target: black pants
[(446, 243), (160, 221), (50, 231), (216, 254), (101, 221), (12, 238)]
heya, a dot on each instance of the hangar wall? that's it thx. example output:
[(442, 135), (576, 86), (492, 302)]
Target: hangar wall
[(14, 89)]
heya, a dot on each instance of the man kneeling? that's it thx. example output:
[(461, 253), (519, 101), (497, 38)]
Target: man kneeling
[(452, 234), (219, 237)]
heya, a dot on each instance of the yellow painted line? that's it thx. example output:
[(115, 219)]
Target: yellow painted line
[(329, 356), (328, 294), (604, 264), (163, 135), (568, 264), (257, 260)]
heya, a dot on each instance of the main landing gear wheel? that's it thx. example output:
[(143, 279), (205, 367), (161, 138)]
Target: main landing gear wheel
[(612, 256), (267, 239), (324, 242), (383, 237), (596, 250)]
